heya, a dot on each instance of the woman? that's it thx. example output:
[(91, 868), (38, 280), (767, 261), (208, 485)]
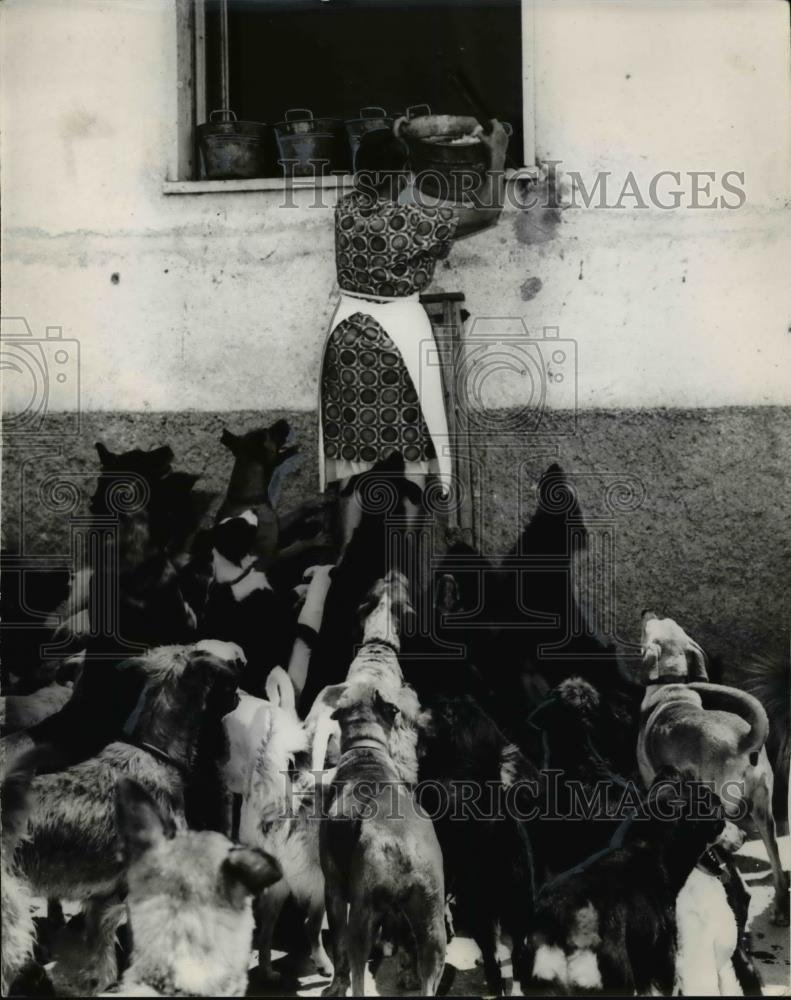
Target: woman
[(378, 393)]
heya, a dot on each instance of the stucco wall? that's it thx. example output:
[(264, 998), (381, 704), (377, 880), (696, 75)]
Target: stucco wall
[(189, 309), (221, 300), (693, 502)]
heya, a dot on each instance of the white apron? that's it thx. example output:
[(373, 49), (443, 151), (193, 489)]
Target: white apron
[(407, 324)]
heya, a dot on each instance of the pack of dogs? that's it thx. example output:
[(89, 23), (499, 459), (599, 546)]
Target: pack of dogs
[(281, 745)]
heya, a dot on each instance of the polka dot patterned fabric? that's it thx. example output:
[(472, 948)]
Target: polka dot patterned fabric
[(383, 248), (369, 403)]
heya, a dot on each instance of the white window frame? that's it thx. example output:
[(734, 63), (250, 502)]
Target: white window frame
[(190, 72)]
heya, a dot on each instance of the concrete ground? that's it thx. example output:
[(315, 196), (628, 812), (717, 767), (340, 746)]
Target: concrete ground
[(464, 976)]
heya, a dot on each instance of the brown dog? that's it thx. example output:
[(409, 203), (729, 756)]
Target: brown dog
[(379, 852), (718, 732)]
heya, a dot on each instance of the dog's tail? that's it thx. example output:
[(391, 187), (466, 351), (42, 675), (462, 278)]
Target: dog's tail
[(270, 786), (280, 690), (720, 697)]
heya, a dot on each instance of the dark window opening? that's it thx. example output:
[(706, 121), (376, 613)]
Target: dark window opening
[(335, 57)]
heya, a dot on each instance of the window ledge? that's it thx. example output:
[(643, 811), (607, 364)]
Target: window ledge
[(256, 184), (340, 181)]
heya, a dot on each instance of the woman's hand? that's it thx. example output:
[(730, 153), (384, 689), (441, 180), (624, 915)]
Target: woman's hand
[(494, 136)]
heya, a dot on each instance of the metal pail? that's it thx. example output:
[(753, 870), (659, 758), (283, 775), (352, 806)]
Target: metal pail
[(231, 149)]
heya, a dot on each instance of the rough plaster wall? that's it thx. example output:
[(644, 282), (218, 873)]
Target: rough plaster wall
[(710, 543), (217, 303), (174, 299)]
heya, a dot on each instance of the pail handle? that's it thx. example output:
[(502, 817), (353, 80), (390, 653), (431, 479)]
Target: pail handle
[(377, 111), (225, 112), (424, 109), (305, 114)]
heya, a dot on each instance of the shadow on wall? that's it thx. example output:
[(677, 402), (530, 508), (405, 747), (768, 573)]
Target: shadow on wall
[(705, 538)]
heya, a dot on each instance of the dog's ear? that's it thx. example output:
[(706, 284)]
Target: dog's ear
[(106, 457), (203, 666), (231, 441), (279, 432), (159, 460), (386, 709), (247, 871), (141, 823), (696, 662)]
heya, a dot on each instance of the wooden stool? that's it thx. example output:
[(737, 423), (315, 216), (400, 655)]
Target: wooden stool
[(447, 315)]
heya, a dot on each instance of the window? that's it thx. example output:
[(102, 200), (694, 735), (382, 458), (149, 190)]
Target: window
[(261, 58)]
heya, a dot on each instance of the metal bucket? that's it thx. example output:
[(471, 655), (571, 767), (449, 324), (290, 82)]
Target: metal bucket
[(371, 118), (231, 149), (448, 160), (309, 146)]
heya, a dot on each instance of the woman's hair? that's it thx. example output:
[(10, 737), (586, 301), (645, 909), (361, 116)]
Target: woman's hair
[(381, 152)]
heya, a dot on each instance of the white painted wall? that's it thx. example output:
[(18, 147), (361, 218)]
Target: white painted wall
[(222, 300)]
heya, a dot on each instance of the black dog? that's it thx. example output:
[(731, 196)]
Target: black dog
[(486, 849), (608, 926)]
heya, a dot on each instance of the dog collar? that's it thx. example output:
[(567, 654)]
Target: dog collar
[(711, 863), (161, 755), (384, 642), (365, 744), (667, 679)]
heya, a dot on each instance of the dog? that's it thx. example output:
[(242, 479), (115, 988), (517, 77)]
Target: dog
[(189, 902), (72, 815), (719, 732), (706, 928), (608, 926), (379, 851), (262, 458), (279, 814), (582, 789), (383, 494), (19, 935), (382, 614), (486, 849)]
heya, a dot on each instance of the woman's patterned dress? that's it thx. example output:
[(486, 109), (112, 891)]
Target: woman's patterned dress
[(369, 402)]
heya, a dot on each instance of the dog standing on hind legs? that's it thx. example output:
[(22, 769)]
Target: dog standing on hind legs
[(379, 851), (716, 731)]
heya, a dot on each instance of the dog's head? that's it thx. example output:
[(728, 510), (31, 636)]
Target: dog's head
[(189, 898), (268, 446), (187, 683), (234, 537), (687, 810), (571, 709), (390, 595), (383, 489), (125, 471), (668, 652), (363, 712)]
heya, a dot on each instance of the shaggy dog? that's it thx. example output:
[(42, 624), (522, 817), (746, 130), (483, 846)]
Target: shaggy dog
[(609, 925), (72, 848), (19, 934), (189, 902), (379, 851)]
